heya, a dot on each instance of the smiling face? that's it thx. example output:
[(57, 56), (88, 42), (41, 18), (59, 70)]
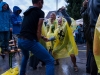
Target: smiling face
[(59, 21), (53, 16)]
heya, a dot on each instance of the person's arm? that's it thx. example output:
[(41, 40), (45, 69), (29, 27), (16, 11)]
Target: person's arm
[(10, 24), (66, 16), (39, 28), (94, 12), (40, 23), (14, 21)]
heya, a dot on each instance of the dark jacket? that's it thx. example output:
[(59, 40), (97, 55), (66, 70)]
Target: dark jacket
[(86, 21), (30, 23), (16, 20), (94, 6)]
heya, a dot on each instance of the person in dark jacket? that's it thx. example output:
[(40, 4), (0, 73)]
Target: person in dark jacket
[(86, 28), (5, 26), (16, 23), (94, 11), (93, 8), (30, 35)]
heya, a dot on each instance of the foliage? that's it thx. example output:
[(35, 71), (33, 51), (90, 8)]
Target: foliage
[(73, 8)]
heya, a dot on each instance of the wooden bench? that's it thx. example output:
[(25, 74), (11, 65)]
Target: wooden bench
[(11, 52)]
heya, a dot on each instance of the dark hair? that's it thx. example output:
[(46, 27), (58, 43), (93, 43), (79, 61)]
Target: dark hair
[(36, 1)]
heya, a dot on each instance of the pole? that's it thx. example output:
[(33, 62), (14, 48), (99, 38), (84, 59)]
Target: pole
[(56, 4)]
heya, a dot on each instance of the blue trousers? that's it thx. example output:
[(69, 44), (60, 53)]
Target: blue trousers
[(39, 51), (4, 39)]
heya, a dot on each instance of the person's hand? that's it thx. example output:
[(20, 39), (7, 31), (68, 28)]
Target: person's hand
[(10, 29), (45, 39), (19, 22), (60, 9)]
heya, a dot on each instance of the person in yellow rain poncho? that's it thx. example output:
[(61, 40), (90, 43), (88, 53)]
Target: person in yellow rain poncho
[(51, 26), (69, 22), (64, 44), (96, 45), (44, 33)]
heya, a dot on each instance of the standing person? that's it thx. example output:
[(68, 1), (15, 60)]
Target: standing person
[(94, 6), (51, 26), (94, 10), (86, 20), (16, 23), (30, 35), (5, 26), (68, 19)]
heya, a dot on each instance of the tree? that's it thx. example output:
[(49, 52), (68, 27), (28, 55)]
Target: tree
[(73, 8)]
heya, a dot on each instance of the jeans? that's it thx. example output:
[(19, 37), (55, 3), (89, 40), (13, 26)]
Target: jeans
[(39, 51)]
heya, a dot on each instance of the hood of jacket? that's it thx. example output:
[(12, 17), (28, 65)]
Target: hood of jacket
[(30, 9), (15, 9), (1, 5)]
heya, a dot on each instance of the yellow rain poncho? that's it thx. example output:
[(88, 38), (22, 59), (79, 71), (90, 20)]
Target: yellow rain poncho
[(51, 29), (12, 71), (96, 44), (73, 24), (64, 44), (44, 33)]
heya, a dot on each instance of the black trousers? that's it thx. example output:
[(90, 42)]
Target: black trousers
[(93, 68)]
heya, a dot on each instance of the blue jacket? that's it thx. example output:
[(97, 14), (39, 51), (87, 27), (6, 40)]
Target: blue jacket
[(16, 20), (5, 18)]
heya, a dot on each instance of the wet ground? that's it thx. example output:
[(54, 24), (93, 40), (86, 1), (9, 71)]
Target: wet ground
[(64, 68)]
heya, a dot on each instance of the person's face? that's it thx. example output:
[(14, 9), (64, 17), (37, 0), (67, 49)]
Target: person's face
[(5, 7), (18, 11), (60, 21), (40, 3), (52, 16)]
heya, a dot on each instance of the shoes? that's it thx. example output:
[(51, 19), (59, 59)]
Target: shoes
[(76, 69)]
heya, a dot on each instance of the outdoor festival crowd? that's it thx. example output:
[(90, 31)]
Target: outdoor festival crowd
[(51, 39)]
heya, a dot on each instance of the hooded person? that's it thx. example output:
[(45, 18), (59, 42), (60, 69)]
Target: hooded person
[(1, 1), (5, 26), (30, 35), (16, 23)]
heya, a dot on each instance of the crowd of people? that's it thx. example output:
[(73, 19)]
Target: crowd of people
[(79, 34), (48, 41)]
